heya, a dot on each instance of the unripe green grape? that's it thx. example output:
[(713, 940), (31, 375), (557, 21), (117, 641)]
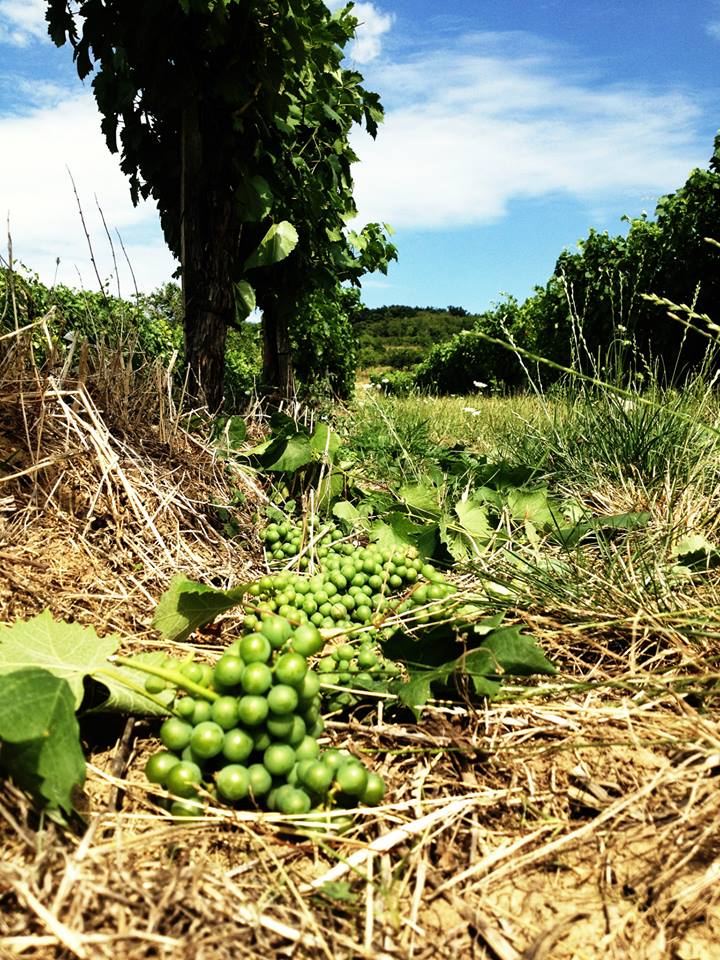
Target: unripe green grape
[(255, 648), (292, 800), (282, 699), (201, 712), (316, 776), (256, 678), (367, 658), (193, 671), (184, 708), (327, 664), (228, 671), (207, 739), (252, 710), (186, 808), (279, 759), (351, 777), (290, 668), (259, 780), (345, 652), (306, 640), (316, 729), (334, 758), (363, 613), (155, 685), (297, 732), (277, 630), (374, 790), (184, 779), (237, 745), (261, 739), (310, 686), (225, 712), (232, 782), (159, 766), (175, 734), (279, 726), (307, 749)]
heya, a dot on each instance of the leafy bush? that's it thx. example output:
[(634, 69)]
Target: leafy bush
[(323, 343), (466, 359)]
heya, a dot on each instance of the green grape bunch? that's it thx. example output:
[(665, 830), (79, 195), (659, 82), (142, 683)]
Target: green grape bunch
[(245, 732)]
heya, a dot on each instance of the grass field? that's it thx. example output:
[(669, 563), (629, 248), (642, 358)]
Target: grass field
[(574, 816)]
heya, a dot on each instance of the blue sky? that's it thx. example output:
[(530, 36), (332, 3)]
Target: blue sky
[(512, 128)]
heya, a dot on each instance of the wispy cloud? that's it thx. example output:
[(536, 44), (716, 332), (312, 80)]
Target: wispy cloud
[(471, 127), (22, 21), (713, 29)]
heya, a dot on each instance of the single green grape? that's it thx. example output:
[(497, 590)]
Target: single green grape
[(256, 678), (279, 759), (282, 699), (307, 640), (292, 800), (351, 777), (252, 710), (290, 669), (207, 739), (237, 745), (259, 780), (277, 630), (175, 734), (228, 671), (159, 766), (184, 779), (232, 782), (374, 790), (255, 648), (316, 776), (225, 712)]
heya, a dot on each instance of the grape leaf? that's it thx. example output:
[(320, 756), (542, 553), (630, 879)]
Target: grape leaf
[(420, 497), (504, 651), (39, 735), (186, 605), (66, 650), (397, 530), (121, 689), (516, 653)]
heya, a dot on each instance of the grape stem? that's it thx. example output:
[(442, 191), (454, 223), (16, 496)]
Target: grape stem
[(172, 676)]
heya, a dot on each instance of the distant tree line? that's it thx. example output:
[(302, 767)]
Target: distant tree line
[(597, 305)]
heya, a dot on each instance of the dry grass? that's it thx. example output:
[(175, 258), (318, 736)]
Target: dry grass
[(579, 821)]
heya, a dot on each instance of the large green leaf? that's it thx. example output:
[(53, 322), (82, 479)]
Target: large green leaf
[(39, 735), (186, 605), (288, 455), (421, 498), (67, 650), (324, 441), (278, 243), (473, 518)]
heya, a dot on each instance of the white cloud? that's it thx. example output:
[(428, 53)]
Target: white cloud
[(22, 21), (469, 129), (713, 29), (37, 196), (373, 24)]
